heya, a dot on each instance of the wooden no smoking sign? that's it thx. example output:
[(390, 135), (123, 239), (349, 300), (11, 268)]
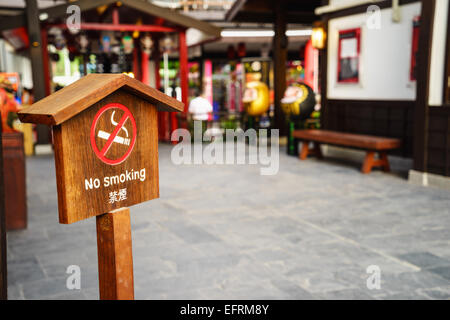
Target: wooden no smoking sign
[(106, 157)]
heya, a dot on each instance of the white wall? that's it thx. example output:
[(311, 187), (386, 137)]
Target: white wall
[(345, 2), (12, 62), (439, 43), (384, 61)]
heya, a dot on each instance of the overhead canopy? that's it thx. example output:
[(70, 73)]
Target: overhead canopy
[(75, 98), (262, 11), (173, 16), (165, 16)]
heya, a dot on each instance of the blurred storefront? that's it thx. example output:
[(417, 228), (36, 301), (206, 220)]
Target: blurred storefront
[(291, 24), (132, 37)]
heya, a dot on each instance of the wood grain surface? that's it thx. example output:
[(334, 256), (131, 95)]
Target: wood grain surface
[(115, 256), (371, 144), (76, 161), (75, 98), (348, 139)]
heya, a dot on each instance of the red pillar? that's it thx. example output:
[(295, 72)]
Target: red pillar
[(144, 68), (183, 51), (115, 16), (309, 65)]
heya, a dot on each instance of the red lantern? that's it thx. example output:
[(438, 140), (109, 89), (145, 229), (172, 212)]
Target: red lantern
[(231, 53), (146, 44), (241, 50)]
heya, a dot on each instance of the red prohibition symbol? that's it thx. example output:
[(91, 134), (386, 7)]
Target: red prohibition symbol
[(113, 137)]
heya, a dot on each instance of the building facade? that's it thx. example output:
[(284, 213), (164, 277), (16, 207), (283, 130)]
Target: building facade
[(385, 72)]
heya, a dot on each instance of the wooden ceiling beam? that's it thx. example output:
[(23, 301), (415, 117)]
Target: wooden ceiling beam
[(234, 10), (17, 21), (173, 17)]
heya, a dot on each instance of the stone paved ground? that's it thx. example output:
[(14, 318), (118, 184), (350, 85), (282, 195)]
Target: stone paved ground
[(226, 232)]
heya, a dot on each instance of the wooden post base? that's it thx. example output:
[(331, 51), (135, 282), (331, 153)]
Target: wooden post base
[(3, 264), (115, 256), (370, 162), (307, 151), (14, 173)]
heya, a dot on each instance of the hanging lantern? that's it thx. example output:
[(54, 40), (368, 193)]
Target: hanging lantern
[(167, 44), (301, 52), (265, 50), (60, 42), (136, 33), (231, 53), (58, 38), (318, 36), (116, 42), (83, 43), (72, 45), (106, 44), (101, 9), (146, 44), (127, 44), (241, 50)]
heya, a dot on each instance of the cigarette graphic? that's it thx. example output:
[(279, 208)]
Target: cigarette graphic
[(105, 135)]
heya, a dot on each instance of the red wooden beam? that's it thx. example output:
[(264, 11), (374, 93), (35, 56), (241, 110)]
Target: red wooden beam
[(115, 16), (118, 27)]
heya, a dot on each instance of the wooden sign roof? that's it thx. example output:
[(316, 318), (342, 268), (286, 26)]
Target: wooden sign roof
[(75, 98)]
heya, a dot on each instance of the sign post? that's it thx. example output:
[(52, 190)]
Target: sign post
[(106, 158), (115, 257)]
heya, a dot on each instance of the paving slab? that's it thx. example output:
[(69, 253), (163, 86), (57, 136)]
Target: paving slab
[(226, 232)]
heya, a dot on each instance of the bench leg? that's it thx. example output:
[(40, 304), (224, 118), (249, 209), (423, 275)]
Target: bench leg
[(368, 162), (318, 150), (305, 150), (384, 162)]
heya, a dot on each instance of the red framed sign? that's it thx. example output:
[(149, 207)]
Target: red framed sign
[(414, 48), (349, 55), (17, 38)]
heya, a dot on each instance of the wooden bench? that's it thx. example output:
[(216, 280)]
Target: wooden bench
[(371, 144)]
